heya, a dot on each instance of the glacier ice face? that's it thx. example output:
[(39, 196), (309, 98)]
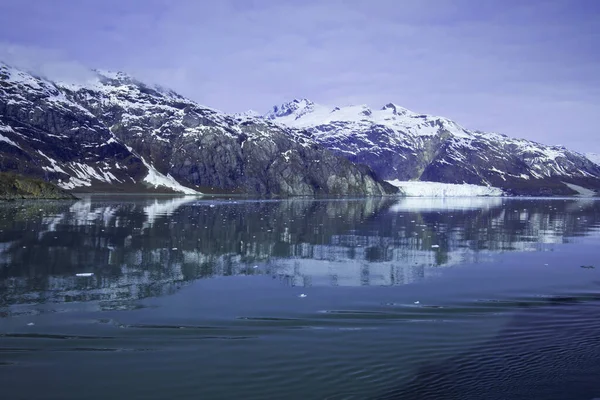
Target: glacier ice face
[(437, 189)]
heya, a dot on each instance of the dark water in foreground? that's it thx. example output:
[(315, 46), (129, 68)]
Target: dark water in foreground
[(353, 299)]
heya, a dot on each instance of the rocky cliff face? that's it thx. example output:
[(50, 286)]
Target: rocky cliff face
[(400, 144), (113, 132)]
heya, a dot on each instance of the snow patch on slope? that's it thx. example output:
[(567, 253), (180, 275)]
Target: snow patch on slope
[(156, 179), (84, 173), (584, 192), (436, 189), (7, 129), (304, 114), (7, 140), (54, 165)]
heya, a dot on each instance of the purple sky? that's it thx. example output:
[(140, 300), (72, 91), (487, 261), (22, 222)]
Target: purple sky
[(523, 68)]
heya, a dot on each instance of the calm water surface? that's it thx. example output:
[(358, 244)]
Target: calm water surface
[(345, 299)]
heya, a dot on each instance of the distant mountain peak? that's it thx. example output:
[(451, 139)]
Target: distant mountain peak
[(295, 104), (302, 101), (396, 109), (295, 108), (300, 109), (400, 144), (303, 113)]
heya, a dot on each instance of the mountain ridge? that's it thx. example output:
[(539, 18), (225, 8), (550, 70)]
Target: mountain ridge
[(113, 132), (399, 144)]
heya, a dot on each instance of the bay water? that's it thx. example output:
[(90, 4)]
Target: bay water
[(130, 297)]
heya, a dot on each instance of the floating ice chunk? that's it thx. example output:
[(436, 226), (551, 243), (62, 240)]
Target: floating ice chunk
[(302, 295), (435, 246), (85, 274)]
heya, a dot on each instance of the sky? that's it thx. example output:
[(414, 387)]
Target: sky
[(528, 69)]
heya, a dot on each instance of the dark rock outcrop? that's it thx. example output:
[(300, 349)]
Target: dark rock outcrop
[(16, 187)]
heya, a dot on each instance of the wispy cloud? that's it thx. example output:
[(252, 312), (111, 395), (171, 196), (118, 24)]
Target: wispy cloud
[(526, 69), (47, 63)]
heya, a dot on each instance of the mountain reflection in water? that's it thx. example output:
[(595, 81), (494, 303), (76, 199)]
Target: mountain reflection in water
[(177, 297), (141, 248)]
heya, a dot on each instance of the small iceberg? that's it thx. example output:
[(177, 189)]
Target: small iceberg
[(85, 274)]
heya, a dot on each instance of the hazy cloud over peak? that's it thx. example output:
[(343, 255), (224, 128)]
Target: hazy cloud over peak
[(526, 69)]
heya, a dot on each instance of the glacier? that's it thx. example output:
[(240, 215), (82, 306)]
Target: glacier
[(437, 189)]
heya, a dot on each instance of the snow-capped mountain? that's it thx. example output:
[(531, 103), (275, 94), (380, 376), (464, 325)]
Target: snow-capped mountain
[(113, 132), (402, 145)]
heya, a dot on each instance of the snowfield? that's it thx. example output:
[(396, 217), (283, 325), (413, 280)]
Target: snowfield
[(582, 192), (156, 179), (436, 189)]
